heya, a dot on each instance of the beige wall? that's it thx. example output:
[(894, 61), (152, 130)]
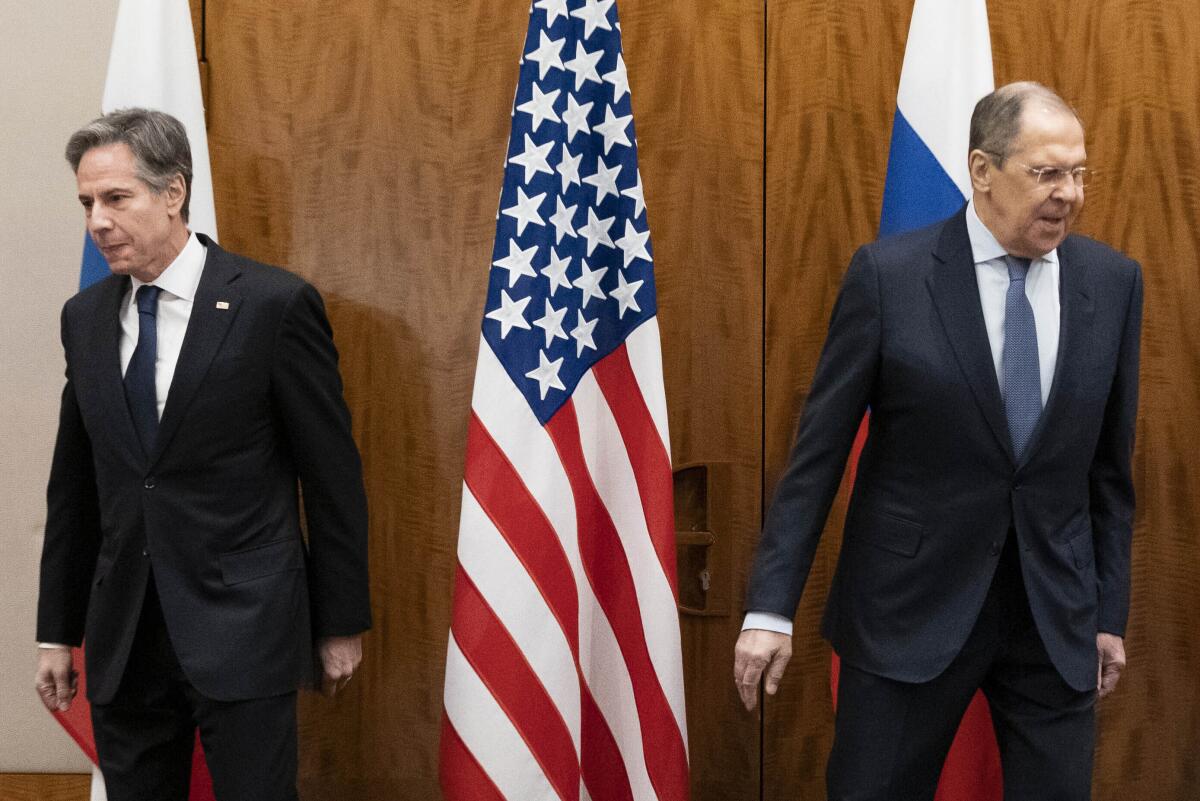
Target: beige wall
[(53, 56)]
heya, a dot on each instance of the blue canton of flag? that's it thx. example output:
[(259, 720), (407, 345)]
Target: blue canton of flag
[(572, 273)]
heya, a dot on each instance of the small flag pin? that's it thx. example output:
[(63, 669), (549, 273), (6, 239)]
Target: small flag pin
[(222, 304)]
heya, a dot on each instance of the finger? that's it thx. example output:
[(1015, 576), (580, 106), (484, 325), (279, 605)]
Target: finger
[(63, 695), (749, 695), (1111, 675), (48, 695), (775, 672), (748, 685)]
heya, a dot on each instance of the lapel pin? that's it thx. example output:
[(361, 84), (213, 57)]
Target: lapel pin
[(222, 304)]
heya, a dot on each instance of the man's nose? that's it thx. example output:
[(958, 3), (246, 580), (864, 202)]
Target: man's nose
[(99, 219), (1068, 191)]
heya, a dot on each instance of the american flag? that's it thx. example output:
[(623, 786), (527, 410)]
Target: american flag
[(564, 674)]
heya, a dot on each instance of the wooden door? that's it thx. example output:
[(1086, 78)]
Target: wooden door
[(361, 144), (1133, 72)]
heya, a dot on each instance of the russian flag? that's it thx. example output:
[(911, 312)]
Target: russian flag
[(152, 64), (947, 69)]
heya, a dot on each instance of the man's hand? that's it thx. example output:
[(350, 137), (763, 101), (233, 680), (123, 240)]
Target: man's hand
[(755, 651), (1110, 651), (55, 679), (339, 658)]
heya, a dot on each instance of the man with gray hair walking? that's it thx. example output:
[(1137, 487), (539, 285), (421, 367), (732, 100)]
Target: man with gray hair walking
[(202, 395), (987, 541)]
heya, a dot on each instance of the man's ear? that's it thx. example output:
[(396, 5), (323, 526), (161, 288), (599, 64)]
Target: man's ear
[(175, 193), (980, 166)]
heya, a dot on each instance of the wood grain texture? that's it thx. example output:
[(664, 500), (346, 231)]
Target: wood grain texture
[(1131, 69), (695, 74), (362, 146), (830, 98), (45, 786)]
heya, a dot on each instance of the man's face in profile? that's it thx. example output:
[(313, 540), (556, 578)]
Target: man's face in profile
[(130, 223)]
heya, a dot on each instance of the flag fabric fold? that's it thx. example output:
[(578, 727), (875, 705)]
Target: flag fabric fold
[(564, 670), (947, 68), (152, 64)]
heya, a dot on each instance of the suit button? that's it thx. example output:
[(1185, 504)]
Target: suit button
[(995, 549), (146, 551), (149, 483)]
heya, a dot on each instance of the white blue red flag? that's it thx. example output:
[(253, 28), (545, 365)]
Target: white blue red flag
[(564, 674), (947, 69), (152, 64)]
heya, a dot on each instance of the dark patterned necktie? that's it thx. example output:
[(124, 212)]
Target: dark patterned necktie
[(1020, 367), (140, 393)]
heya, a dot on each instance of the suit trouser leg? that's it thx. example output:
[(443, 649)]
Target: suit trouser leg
[(250, 746), (891, 737), (146, 735), (1045, 729)]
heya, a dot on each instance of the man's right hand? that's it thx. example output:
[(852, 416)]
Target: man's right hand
[(758, 650), (56, 679)]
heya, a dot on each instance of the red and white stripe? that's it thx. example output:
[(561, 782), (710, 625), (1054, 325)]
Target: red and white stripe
[(564, 674)]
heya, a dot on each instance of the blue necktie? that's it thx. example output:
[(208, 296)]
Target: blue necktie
[(1019, 363), (139, 375)]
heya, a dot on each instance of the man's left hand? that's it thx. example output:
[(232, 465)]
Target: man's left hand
[(1110, 651), (339, 658)]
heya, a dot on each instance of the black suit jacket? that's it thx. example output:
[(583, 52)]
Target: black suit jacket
[(938, 487), (255, 406)]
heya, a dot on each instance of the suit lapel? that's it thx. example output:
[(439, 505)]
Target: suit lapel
[(955, 292), (1075, 325), (206, 330), (105, 365)]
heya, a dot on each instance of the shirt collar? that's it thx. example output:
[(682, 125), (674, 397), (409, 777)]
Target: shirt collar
[(182, 276), (984, 246)]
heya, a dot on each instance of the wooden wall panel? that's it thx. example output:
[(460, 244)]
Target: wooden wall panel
[(45, 786), (695, 73), (361, 145), (1132, 71)]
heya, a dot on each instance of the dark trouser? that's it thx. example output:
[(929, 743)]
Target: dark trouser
[(891, 738), (145, 736)]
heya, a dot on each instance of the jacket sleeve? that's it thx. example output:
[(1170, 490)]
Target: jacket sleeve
[(307, 391), (73, 535), (841, 390), (1110, 478)]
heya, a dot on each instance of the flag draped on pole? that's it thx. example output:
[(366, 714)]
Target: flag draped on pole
[(564, 673), (947, 69), (152, 64)]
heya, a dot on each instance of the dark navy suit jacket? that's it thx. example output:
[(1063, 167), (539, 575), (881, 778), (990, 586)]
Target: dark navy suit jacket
[(938, 487), (255, 407)]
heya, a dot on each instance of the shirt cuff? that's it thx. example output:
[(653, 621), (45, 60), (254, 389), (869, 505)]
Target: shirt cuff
[(767, 621), (49, 645)]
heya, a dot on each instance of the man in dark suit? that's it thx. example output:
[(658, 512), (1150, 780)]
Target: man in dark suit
[(988, 535), (202, 394)]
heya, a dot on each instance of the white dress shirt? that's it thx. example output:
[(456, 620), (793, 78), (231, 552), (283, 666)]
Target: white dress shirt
[(178, 283), (991, 275)]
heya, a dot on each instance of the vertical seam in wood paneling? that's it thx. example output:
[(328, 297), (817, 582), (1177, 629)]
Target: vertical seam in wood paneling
[(762, 370)]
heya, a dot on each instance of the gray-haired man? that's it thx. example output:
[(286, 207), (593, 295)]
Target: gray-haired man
[(987, 539), (202, 390)]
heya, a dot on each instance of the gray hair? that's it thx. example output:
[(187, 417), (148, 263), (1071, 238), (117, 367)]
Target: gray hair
[(996, 121), (159, 143)]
